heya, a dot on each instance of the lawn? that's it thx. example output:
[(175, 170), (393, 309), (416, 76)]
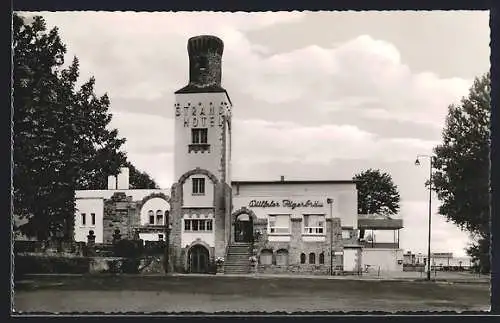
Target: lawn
[(219, 293)]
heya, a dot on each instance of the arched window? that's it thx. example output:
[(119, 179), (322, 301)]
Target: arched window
[(151, 217), (282, 257), (322, 258), (312, 258), (302, 258), (266, 257), (159, 217)]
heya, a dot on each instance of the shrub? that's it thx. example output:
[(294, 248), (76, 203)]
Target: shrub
[(129, 248)]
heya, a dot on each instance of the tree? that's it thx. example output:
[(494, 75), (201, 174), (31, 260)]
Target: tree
[(377, 193), (61, 136), (462, 167), (139, 179)]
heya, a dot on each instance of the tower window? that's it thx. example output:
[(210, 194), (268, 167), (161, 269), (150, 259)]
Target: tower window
[(84, 218), (203, 63), (92, 218), (199, 136), (199, 186)]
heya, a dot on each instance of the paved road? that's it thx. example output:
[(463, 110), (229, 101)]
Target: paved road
[(243, 294)]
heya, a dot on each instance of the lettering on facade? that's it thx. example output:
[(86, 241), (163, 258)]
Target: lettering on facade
[(285, 203), (197, 117)]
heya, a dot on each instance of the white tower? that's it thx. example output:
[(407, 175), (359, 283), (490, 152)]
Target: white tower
[(203, 113), (201, 202)]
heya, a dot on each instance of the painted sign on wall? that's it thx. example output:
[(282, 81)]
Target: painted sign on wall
[(284, 203)]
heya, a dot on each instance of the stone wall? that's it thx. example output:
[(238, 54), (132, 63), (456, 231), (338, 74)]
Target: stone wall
[(121, 213), (296, 246), (177, 252), (222, 213)]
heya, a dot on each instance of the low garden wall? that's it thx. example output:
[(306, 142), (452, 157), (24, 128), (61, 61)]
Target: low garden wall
[(125, 256), (298, 269)]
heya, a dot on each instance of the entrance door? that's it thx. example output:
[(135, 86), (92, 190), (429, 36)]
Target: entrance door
[(198, 259), (243, 229)]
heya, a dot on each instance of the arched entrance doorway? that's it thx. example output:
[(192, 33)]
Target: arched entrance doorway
[(198, 259), (243, 228)]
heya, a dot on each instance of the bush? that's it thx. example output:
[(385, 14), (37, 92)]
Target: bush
[(49, 264), (129, 248)]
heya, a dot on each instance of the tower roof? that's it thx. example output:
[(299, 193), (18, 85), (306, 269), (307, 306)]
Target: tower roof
[(204, 44)]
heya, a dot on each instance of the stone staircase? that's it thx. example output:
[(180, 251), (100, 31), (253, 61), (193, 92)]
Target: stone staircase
[(236, 261)]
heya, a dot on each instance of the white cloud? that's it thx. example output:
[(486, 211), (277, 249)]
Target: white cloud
[(264, 141)]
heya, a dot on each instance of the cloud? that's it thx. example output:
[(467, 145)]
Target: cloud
[(258, 141)]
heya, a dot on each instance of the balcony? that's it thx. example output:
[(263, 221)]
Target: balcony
[(198, 148)]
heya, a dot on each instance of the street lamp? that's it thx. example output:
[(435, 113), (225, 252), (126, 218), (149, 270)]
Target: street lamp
[(330, 202), (417, 163)]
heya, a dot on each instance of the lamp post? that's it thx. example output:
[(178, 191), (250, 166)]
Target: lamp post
[(330, 202), (417, 163)]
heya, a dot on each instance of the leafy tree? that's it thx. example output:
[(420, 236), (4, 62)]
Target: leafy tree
[(377, 193), (462, 168), (61, 136), (139, 179)]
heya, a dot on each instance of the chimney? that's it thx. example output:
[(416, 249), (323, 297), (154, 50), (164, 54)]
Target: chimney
[(111, 182), (282, 178), (123, 179)]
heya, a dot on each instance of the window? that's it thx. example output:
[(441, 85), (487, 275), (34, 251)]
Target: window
[(92, 218), (198, 225), (322, 258), (159, 217), (151, 217), (203, 63), (312, 258), (314, 224), (279, 224), (282, 257), (198, 186), (160, 237), (346, 234), (266, 257), (199, 136), (302, 258), (84, 216)]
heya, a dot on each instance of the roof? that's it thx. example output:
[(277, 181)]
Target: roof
[(191, 88), (379, 223), (294, 182)]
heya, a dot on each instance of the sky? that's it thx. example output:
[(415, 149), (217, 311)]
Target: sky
[(316, 95)]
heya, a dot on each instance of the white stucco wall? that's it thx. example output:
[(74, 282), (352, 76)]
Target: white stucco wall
[(89, 206), (188, 237), (155, 204), (151, 236), (199, 114), (205, 200), (349, 259), (386, 259)]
